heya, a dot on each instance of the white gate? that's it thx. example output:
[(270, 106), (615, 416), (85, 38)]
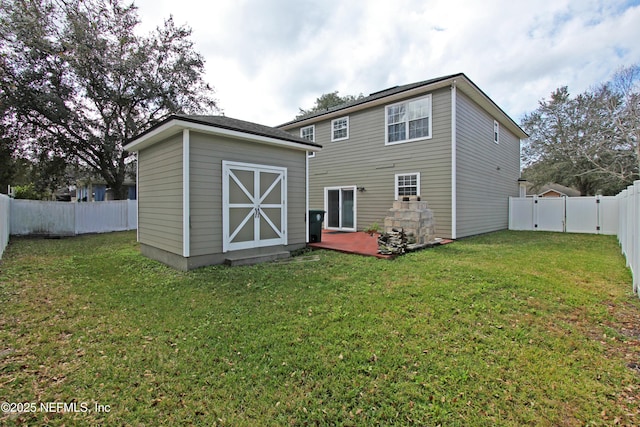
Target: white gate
[(597, 215), (550, 214), (521, 213), (254, 206), (582, 215)]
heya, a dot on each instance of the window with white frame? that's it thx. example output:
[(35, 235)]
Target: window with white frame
[(407, 184), (408, 120), (309, 132), (340, 129), (496, 131)]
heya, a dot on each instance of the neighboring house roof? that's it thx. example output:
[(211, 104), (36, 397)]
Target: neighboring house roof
[(461, 81), (548, 189), (220, 125), (552, 193), (87, 182)]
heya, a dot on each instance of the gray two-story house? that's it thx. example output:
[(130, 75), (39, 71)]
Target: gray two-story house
[(443, 139)]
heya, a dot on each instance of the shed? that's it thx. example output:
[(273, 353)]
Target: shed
[(212, 189)]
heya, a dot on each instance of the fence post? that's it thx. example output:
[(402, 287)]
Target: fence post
[(534, 214), (510, 213), (622, 221), (5, 222), (598, 214), (75, 218), (632, 230), (631, 208)]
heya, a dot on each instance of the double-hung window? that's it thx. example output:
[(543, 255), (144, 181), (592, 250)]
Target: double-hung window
[(309, 132), (407, 184), (496, 132), (340, 129), (408, 120)]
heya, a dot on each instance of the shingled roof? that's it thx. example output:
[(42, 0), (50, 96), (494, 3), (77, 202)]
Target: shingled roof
[(244, 126), (372, 97), (228, 123), (462, 82)]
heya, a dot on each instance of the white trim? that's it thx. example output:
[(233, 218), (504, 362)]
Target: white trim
[(454, 162), (355, 207), (186, 210), (256, 205), (137, 195), (174, 126), (395, 185), (496, 132), (333, 130), (407, 102)]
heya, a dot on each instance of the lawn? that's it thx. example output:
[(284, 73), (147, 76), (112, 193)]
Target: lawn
[(511, 328)]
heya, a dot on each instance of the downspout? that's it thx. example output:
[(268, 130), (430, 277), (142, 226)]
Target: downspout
[(186, 212), (306, 184), (453, 162)]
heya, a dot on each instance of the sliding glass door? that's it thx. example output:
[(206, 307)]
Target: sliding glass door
[(340, 204)]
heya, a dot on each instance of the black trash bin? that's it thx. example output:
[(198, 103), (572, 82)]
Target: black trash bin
[(315, 225)]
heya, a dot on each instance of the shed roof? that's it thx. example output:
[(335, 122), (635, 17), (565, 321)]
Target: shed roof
[(220, 125), (461, 81)]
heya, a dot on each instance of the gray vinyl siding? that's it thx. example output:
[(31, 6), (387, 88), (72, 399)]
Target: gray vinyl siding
[(487, 173), (364, 160), (160, 195), (206, 155)]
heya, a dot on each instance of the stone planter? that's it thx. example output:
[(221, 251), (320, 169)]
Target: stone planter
[(414, 219)]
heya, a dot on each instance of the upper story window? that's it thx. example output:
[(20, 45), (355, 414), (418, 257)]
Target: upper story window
[(340, 129), (408, 120), (309, 132), (407, 184), (496, 131)]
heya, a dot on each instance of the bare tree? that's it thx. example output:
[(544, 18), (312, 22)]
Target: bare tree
[(626, 112), (589, 141)]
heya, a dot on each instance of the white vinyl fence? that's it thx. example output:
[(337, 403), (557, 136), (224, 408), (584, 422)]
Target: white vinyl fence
[(67, 219), (629, 229), (4, 222), (596, 215), (103, 217), (617, 215)]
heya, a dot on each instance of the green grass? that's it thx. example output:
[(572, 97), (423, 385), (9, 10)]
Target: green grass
[(511, 328)]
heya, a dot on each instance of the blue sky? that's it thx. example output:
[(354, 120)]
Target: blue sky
[(267, 58)]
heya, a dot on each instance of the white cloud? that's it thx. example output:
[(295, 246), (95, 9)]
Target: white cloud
[(267, 58)]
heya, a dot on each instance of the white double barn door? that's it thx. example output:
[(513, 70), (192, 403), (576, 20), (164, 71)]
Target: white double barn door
[(254, 205)]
